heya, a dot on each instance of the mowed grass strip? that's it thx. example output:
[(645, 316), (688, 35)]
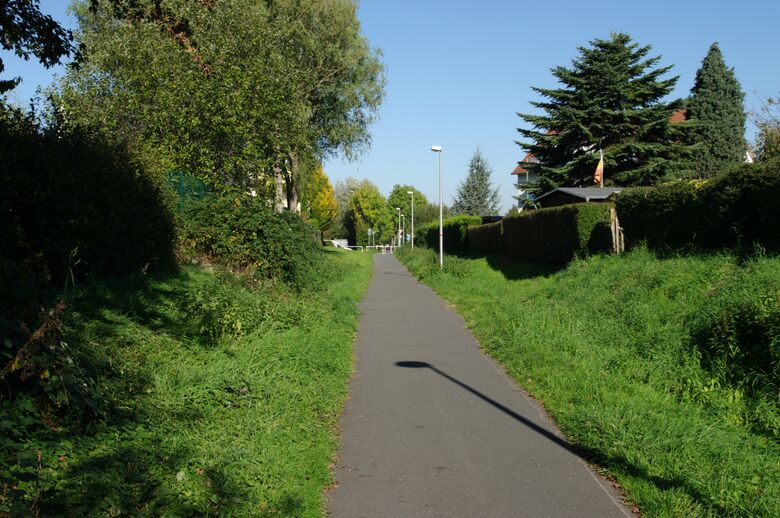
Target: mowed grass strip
[(605, 345), (225, 397)]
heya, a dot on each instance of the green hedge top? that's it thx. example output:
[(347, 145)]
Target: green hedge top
[(736, 210), (455, 233)]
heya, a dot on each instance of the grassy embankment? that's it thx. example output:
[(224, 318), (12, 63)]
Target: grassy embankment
[(224, 398), (612, 346)]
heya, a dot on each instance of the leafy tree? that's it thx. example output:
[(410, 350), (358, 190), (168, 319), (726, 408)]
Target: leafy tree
[(768, 123), (716, 108), (368, 209), (399, 197), (28, 32), (612, 98), (320, 200), (475, 195), (242, 94)]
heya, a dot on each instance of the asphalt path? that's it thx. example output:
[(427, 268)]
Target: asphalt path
[(433, 427)]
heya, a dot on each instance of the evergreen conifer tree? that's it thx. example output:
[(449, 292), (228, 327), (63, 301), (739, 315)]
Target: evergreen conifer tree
[(716, 108), (475, 195), (611, 97)]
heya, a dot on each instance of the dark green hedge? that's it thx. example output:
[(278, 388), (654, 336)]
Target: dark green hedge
[(556, 235), (455, 233), (736, 210), (486, 239), (242, 232)]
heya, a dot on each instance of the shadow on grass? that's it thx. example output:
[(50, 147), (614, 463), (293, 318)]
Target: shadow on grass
[(513, 269), (591, 456)]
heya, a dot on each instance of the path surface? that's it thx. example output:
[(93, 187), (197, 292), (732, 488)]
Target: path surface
[(434, 428)]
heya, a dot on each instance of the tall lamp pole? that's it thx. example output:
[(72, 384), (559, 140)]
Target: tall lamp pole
[(412, 193), (437, 149), (398, 232), (403, 229)]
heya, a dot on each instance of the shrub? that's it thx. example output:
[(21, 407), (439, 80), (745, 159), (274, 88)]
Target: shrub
[(736, 210), (486, 239), (556, 235), (243, 233), (455, 230)]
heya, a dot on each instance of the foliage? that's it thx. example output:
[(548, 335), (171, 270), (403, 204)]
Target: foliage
[(26, 31), (400, 198), (71, 207), (735, 210), (243, 233), (475, 195), (194, 424), (455, 234), (611, 99), (716, 108), (368, 209), (486, 239), (607, 346), (768, 123), (320, 200), (558, 234), (229, 92)]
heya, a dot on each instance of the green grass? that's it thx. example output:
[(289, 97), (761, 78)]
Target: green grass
[(218, 399), (606, 346)]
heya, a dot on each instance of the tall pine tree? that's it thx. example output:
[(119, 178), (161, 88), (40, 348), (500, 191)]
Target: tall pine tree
[(611, 97), (475, 195), (716, 108)]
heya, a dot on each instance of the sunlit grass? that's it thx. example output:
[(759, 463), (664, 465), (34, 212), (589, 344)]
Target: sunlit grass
[(605, 345)]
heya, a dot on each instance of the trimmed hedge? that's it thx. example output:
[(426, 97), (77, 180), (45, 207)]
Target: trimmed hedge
[(736, 210), (486, 239), (558, 234), (455, 233)]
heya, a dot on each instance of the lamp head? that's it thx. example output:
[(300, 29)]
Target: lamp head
[(436, 149), (409, 192)]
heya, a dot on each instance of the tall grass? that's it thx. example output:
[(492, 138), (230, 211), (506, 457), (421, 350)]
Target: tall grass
[(610, 347), (223, 399)]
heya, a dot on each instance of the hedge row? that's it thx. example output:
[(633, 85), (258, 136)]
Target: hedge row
[(736, 210), (455, 233), (554, 235)]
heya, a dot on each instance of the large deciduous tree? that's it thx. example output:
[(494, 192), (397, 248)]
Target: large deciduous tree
[(716, 108), (368, 209), (28, 32), (240, 93), (475, 195), (767, 121), (611, 98), (319, 200), (400, 197)]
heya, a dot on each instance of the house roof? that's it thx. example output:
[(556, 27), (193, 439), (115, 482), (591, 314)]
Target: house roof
[(680, 115), (529, 157), (586, 193)]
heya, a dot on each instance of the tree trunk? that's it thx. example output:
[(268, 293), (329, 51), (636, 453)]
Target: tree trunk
[(292, 184), (279, 194)]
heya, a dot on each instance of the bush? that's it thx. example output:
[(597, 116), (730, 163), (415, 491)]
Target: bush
[(735, 210), (455, 233), (486, 239), (243, 233), (556, 235)]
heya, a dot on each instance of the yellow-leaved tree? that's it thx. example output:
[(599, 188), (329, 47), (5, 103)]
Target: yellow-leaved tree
[(320, 200)]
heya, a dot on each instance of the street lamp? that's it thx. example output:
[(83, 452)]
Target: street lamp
[(412, 194), (437, 149), (397, 234), (403, 229)]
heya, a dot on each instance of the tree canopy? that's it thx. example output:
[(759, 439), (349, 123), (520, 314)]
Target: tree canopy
[(611, 97), (237, 92), (28, 32), (768, 123), (475, 195), (368, 209), (717, 111)]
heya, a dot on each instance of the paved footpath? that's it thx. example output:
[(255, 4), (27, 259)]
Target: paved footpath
[(434, 428)]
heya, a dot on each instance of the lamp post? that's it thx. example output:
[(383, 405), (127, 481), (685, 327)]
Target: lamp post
[(437, 149), (403, 229), (398, 233), (412, 194)]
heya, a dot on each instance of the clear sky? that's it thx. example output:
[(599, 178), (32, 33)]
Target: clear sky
[(458, 71)]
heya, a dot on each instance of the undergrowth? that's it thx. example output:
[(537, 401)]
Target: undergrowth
[(662, 371), (207, 396)]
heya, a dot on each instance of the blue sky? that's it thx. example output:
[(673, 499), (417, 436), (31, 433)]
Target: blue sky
[(458, 71)]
